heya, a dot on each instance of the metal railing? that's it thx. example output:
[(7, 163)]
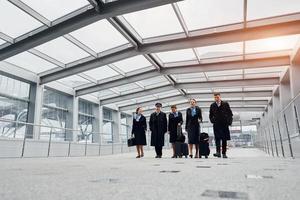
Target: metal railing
[(277, 134), (57, 141)]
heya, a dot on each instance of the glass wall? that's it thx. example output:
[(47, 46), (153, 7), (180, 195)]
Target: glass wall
[(56, 114), (125, 127), (14, 100), (107, 136), (86, 121)]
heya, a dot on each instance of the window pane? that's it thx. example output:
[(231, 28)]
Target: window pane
[(154, 22), (134, 63), (87, 122), (100, 36), (73, 81), (53, 9), (268, 8), (31, 62), (56, 113), (272, 44), (15, 110), (209, 13), (101, 73), (62, 50), (223, 50), (191, 77), (14, 88), (15, 22), (178, 55), (2, 41), (107, 114)]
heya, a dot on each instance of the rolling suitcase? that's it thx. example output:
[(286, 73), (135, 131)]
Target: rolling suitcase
[(181, 148), (204, 145)]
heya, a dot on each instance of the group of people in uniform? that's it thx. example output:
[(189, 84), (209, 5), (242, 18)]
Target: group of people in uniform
[(220, 116)]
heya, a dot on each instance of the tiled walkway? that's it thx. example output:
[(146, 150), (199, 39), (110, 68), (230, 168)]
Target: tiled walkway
[(247, 174)]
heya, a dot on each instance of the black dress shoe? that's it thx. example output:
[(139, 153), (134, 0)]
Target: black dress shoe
[(156, 156), (191, 156), (138, 156), (174, 157), (206, 156), (224, 156), (217, 155)]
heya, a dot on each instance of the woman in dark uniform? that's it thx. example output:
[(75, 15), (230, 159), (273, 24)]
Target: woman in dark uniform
[(175, 122), (139, 128), (193, 118)]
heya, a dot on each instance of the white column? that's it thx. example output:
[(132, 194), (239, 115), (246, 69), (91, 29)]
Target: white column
[(38, 110), (75, 118)]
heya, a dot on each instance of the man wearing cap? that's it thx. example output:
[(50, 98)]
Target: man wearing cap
[(158, 127)]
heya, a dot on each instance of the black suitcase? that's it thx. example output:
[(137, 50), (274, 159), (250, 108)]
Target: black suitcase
[(204, 145), (181, 148)]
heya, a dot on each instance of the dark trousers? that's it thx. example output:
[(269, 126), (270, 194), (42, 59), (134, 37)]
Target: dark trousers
[(158, 150), (224, 145)]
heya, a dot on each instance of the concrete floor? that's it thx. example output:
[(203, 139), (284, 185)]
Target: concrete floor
[(247, 174)]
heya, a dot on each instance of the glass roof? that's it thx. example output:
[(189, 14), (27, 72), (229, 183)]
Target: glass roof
[(2, 41), (19, 22), (53, 9), (100, 36), (209, 13), (272, 44), (177, 55), (271, 8), (101, 73), (123, 42), (133, 63), (154, 22), (62, 50), (222, 50), (31, 62)]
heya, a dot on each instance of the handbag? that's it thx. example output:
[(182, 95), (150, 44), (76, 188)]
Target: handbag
[(131, 142)]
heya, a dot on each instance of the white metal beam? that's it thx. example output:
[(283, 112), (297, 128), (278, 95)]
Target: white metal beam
[(243, 34), (220, 66), (195, 85)]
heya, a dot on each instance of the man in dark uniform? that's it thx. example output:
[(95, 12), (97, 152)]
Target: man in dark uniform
[(220, 115), (158, 127)]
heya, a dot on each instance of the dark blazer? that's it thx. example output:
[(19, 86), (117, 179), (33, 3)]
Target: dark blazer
[(221, 117), (173, 125), (158, 126), (192, 120), (139, 130)]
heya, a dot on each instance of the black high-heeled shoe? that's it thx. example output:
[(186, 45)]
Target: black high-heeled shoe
[(138, 157)]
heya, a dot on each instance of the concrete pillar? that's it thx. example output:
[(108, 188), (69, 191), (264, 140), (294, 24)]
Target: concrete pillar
[(96, 124), (72, 119), (100, 108), (276, 102), (35, 110), (285, 90), (116, 126), (294, 73)]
